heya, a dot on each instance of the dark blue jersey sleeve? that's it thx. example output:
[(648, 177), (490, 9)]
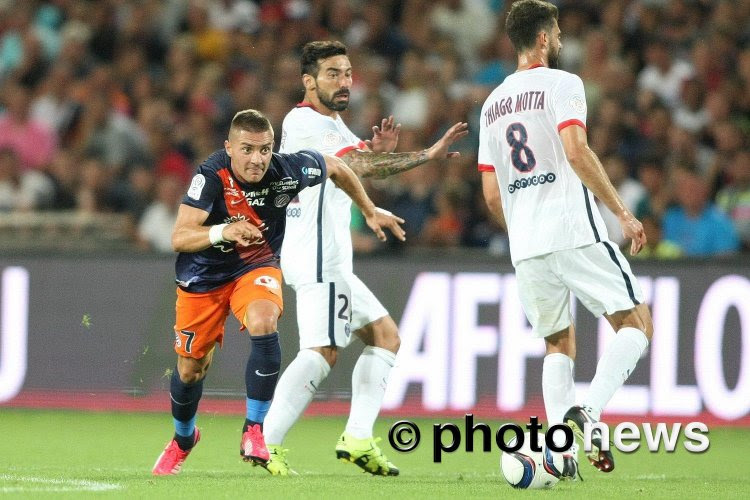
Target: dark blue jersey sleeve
[(204, 189), (308, 167)]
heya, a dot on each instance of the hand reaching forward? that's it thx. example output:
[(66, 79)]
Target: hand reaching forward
[(385, 138), (384, 219), (440, 148)]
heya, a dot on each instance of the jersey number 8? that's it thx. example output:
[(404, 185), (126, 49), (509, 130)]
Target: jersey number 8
[(516, 136)]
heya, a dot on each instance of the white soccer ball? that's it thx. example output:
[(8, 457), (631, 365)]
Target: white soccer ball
[(529, 469)]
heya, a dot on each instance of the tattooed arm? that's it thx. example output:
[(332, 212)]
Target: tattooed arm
[(382, 165)]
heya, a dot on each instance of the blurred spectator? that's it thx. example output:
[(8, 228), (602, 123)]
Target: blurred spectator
[(695, 224), (468, 22), (32, 141), (656, 247), (156, 224), (445, 227), (663, 75), (734, 198), (653, 176), (22, 190)]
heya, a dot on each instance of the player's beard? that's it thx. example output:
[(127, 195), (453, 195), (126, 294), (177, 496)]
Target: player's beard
[(331, 103), (553, 58)]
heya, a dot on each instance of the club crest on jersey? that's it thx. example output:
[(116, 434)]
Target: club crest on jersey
[(332, 138), (268, 282), (281, 200)]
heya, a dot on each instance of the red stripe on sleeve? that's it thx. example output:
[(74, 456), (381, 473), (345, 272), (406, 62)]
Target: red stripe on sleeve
[(342, 152), (483, 167), (567, 123)]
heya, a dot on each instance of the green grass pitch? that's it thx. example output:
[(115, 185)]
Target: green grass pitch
[(75, 454)]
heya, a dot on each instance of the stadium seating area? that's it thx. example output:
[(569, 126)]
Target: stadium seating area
[(107, 107)]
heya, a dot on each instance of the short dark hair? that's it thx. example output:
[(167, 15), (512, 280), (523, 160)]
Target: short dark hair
[(526, 19), (251, 120), (313, 52)]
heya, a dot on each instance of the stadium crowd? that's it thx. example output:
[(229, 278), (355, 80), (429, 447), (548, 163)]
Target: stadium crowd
[(108, 106)]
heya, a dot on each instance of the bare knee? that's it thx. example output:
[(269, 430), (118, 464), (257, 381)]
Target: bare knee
[(381, 333), (329, 353), (639, 318), (261, 324), (391, 341), (191, 373)]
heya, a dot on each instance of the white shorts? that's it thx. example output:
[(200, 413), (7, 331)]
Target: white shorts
[(328, 313), (598, 275)]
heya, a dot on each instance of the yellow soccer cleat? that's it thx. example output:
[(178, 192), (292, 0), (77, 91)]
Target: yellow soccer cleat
[(277, 464), (366, 454)]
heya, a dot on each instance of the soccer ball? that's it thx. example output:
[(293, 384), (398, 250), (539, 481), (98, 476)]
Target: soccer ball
[(528, 469)]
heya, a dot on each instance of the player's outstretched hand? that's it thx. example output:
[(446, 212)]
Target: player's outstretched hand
[(632, 229), (384, 219), (244, 233), (385, 138), (440, 148)]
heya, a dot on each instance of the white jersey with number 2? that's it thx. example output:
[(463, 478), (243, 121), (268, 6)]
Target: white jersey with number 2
[(317, 244), (546, 206)]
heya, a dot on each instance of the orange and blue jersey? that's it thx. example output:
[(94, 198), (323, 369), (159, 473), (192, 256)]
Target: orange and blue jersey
[(216, 190)]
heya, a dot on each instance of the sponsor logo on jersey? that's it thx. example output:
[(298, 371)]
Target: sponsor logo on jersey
[(267, 281), (196, 186), (312, 171), (281, 200), (534, 180), (285, 184)]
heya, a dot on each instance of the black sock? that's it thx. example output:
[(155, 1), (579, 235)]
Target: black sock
[(261, 374), (185, 399)]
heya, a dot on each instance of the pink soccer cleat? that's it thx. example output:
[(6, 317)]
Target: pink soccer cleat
[(171, 459), (253, 446)]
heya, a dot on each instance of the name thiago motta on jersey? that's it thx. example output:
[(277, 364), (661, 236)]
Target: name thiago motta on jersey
[(525, 101)]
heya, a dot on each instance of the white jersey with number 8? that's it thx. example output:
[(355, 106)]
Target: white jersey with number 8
[(546, 206)]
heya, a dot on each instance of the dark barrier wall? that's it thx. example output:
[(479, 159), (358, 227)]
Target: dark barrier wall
[(105, 324)]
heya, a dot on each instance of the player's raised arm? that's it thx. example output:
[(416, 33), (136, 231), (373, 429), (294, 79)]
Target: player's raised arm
[(376, 218), (491, 191), (382, 165), (190, 235), (589, 169)]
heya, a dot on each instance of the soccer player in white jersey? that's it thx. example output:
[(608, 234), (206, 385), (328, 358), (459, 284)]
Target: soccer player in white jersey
[(539, 177), (333, 305)]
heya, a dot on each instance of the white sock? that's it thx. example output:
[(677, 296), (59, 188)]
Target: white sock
[(558, 387), (369, 380), (294, 392), (614, 367)]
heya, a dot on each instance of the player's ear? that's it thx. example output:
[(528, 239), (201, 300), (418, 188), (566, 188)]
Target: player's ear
[(543, 38), (308, 81), (228, 147)]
